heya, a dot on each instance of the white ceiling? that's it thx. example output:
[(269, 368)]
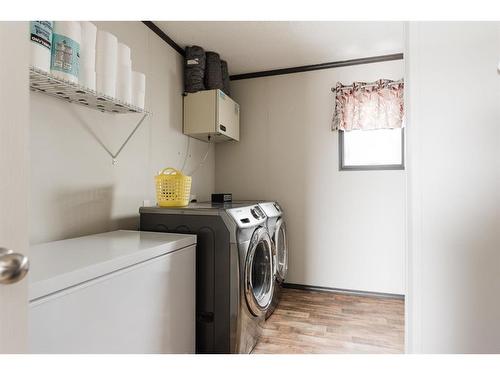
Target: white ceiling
[(251, 46)]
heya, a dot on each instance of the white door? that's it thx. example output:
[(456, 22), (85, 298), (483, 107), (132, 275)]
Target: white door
[(14, 180)]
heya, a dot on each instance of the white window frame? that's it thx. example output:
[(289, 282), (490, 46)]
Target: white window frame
[(379, 167)]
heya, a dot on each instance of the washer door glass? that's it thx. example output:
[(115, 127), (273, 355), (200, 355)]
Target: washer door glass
[(259, 273), (280, 242)]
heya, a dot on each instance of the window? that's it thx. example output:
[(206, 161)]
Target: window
[(370, 121), (371, 149)]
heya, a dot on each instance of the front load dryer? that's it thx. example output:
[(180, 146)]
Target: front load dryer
[(256, 274), (277, 229), (234, 270)]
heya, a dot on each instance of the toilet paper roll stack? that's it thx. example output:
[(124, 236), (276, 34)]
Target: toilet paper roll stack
[(138, 89), (124, 74), (106, 63), (41, 42), (87, 76), (65, 59)]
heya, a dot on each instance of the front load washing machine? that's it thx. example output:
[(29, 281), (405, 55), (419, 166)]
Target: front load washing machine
[(234, 270), (277, 229)]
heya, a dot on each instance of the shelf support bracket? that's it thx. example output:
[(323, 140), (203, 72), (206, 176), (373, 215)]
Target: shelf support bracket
[(115, 156)]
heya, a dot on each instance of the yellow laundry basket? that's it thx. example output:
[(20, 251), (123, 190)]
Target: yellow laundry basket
[(172, 188)]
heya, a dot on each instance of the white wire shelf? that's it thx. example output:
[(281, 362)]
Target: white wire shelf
[(43, 82)]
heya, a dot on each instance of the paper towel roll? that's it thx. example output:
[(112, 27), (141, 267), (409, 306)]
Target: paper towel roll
[(138, 99), (87, 78), (138, 89), (88, 46), (124, 55), (41, 41), (65, 60), (124, 83), (138, 81), (106, 63), (106, 84)]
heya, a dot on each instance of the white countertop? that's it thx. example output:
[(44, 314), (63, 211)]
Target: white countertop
[(61, 264)]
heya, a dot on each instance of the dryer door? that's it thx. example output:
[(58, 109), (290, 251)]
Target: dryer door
[(259, 284), (281, 245)]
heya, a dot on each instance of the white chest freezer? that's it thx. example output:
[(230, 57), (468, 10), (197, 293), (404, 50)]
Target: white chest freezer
[(115, 292)]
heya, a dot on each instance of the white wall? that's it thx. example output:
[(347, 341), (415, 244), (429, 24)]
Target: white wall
[(346, 229), (75, 188), (454, 187)]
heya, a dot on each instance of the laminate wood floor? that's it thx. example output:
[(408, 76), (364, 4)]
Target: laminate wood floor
[(324, 322)]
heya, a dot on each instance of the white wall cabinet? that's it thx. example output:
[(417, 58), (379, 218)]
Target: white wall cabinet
[(211, 116)]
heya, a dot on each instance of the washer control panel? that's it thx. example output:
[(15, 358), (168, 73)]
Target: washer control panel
[(257, 213), (247, 217), (271, 209)]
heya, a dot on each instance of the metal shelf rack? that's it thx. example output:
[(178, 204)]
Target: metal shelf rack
[(41, 81), (45, 83)]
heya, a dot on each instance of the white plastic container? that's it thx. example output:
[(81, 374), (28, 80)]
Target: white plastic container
[(138, 89), (106, 63), (66, 41), (41, 42)]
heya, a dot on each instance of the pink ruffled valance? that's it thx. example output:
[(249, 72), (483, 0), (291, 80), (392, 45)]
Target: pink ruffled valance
[(368, 106)]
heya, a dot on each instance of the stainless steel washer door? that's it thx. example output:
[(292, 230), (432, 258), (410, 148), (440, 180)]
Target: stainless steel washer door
[(281, 248), (259, 284)]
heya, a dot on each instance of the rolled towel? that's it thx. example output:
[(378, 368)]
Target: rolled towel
[(194, 69), (213, 71), (225, 77)]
